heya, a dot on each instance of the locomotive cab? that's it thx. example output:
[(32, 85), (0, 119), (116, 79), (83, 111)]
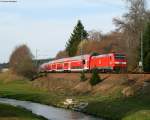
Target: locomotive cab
[(120, 62)]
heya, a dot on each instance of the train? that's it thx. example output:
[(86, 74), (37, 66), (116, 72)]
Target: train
[(111, 62)]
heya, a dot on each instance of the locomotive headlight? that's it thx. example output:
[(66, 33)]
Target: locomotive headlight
[(124, 63)]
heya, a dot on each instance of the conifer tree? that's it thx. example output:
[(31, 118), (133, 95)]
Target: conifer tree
[(95, 79), (76, 37), (146, 48)]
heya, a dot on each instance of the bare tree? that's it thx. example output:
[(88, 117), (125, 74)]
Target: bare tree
[(132, 25), (21, 62), (95, 35), (61, 54)]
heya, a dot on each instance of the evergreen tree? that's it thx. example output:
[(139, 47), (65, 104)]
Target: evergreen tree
[(95, 79), (147, 63), (146, 48), (76, 37)]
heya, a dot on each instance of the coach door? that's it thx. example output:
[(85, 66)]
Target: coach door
[(107, 63), (66, 66)]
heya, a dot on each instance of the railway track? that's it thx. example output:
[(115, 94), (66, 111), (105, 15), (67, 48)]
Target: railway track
[(99, 73), (48, 73)]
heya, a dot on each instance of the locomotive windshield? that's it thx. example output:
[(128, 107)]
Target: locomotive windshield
[(120, 56)]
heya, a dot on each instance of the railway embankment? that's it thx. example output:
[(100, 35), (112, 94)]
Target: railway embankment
[(117, 97)]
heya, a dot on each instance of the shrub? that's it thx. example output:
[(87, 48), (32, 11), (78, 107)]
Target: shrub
[(94, 54), (95, 79), (61, 54)]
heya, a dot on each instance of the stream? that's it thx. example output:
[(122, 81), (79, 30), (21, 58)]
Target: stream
[(48, 112)]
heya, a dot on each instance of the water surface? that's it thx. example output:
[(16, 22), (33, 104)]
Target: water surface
[(51, 113)]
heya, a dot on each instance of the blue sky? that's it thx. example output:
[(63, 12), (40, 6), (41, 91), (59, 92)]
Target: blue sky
[(46, 25)]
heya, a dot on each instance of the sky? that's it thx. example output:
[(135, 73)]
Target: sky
[(46, 25)]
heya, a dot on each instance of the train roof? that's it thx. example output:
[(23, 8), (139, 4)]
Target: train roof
[(104, 55), (109, 54), (71, 58)]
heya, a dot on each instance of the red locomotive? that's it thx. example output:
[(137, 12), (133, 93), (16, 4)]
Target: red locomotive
[(105, 62)]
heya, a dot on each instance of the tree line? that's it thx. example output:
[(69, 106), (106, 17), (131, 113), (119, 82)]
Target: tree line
[(132, 29)]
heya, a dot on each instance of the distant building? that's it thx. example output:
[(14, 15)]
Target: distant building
[(4, 67), (4, 70)]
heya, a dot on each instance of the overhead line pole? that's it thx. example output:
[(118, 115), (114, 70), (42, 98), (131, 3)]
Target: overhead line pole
[(36, 57), (82, 57), (141, 51)]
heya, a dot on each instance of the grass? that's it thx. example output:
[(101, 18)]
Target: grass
[(112, 107), (13, 113), (22, 89), (139, 115), (120, 108)]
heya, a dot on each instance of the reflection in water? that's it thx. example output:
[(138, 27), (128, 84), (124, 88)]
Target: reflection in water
[(48, 112)]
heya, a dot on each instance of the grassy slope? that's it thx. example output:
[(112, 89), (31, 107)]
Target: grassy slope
[(112, 106), (12, 113), (13, 89), (22, 89), (134, 108)]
